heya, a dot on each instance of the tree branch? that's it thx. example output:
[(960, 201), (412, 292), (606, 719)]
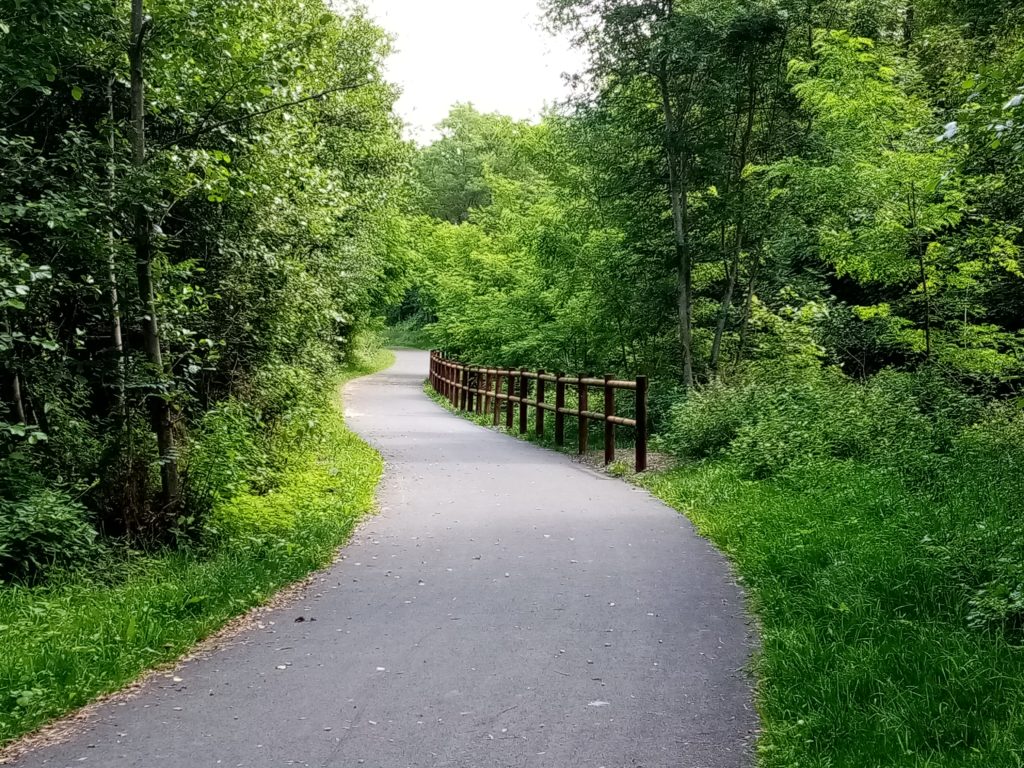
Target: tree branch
[(276, 108)]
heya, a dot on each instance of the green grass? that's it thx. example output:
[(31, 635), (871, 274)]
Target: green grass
[(408, 334), (63, 644), (862, 585)]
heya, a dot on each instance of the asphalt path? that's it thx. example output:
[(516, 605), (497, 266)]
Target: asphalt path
[(507, 607)]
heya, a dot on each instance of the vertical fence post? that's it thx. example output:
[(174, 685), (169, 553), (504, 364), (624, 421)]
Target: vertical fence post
[(510, 406), (540, 403), (474, 385), (524, 395), (641, 423), (559, 405), (453, 390), (497, 401), (609, 427), (463, 387), (448, 382), (584, 426)]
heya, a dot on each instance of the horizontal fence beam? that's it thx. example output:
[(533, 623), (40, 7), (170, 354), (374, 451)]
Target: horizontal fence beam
[(487, 390)]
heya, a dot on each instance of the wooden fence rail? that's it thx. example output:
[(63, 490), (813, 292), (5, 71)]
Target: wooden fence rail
[(482, 390)]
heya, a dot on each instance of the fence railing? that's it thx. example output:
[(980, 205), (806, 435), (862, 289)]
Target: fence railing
[(477, 389)]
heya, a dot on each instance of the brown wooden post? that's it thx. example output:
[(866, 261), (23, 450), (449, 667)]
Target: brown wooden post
[(497, 401), (609, 427), (524, 394), (485, 398), (584, 435), (540, 402), (559, 405), (464, 388), (510, 409), (641, 423), (452, 393), (474, 382)]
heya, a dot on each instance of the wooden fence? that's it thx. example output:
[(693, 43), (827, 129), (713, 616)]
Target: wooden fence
[(483, 390)]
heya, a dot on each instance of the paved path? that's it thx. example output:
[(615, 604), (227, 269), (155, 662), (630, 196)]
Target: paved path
[(507, 608)]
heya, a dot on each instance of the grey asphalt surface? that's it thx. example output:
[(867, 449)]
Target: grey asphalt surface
[(507, 608)]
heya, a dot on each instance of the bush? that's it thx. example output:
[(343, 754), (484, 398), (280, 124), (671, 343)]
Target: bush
[(706, 422), (43, 531), (770, 425), (226, 457)]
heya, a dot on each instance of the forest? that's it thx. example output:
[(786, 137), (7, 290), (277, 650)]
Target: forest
[(802, 219)]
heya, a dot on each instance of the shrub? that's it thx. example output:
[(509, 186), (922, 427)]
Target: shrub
[(43, 531), (771, 424), (706, 422), (226, 457)]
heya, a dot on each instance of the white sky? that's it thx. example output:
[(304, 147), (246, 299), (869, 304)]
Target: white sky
[(492, 53)]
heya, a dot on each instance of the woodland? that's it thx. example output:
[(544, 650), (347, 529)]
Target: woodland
[(801, 219)]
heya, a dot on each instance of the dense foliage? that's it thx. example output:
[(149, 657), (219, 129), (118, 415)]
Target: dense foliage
[(198, 215), (738, 183)]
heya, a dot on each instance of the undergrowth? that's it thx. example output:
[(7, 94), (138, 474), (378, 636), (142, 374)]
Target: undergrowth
[(276, 513)]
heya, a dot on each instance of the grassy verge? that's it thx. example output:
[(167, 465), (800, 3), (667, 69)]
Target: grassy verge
[(860, 582), (81, 636)]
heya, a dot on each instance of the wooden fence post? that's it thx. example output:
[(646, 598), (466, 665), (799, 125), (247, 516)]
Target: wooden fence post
[(497, 401), (540, 403), (609, 427), (524, 394), (451, 386), (463, 387), (559, 405), (641, 423), (584, 434), (510, 409)]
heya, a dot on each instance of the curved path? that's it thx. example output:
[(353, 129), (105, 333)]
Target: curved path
[(507, 608)]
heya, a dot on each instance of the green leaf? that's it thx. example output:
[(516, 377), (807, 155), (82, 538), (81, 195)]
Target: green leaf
[(76, 93)]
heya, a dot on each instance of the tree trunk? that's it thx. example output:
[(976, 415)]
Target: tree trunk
[(19, 405), (160, 412), (679, 198), (920, 251), (908, 26), (740, 185), (723, 312), (115, 303), (748, 306)]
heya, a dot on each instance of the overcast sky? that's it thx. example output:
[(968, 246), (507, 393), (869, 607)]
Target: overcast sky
[(493, 53)]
